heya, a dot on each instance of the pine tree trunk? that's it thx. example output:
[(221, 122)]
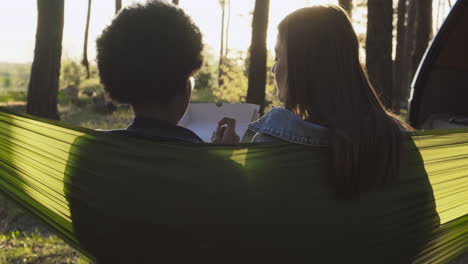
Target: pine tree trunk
[(228, 25), (347, 5), (418, 35), (398, 65), (423, 30), (407, 61), (118, 5), (85, 61), (45, 70), (221, 49), (258, 54), (379, 47)]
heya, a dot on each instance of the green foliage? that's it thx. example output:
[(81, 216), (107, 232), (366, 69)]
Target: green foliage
[(270, 90), (86, 117), (14, 77), (203, 96), (206, 77), (90, 87), (71, 73), (234, 82), (12, 96), (76, 89), (7, 81), (208, 74), (65, 99)]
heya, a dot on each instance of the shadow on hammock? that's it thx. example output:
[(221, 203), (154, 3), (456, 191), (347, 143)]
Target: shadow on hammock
[(149, 202)]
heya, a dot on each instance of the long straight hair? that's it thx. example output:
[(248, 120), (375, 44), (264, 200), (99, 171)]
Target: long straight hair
[(326, 84)]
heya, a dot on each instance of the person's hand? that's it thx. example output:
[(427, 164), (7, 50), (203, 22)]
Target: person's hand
[(225, 132)]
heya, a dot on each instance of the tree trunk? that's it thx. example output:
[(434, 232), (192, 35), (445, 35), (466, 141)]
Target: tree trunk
[(221, 49), (407, 61), (398, 65), (258, 54), (423, 30), (45, 70), (347, 5), (418, 35), (379, 47), (226, 49), (175, 2), (85, 61), (118, 5)]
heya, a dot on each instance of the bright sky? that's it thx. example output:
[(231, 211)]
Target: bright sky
[(17, 40)]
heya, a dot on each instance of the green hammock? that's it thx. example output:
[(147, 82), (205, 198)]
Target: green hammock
[(128, 200)]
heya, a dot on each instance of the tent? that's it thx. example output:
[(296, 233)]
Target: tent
[(440, 88)]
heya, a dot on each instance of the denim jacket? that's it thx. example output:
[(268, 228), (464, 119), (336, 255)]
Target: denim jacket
[(282, 124), (157, 130)]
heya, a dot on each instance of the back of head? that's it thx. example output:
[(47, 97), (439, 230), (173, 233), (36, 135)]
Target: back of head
[(327, 84), (148, 53)]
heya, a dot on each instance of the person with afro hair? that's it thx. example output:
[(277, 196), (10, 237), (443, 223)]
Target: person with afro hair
[(147, 58)]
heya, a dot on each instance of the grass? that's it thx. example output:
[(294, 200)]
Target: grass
[(20, 247), (24, 240)]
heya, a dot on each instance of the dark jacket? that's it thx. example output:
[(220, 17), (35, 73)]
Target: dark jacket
[(157, 130)]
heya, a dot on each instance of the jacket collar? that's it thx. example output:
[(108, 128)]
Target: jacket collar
[(161, 129), (285, 125)]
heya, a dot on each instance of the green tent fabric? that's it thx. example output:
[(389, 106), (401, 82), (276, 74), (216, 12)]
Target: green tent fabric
[(124, 200)]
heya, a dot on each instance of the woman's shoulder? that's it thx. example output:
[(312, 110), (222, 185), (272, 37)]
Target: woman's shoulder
[(280, 123), (280, 117)]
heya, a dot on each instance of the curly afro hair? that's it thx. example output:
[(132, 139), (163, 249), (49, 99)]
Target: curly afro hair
[(148, 53)]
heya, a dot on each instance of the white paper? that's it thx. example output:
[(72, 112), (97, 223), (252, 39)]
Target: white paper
[(202, 118)]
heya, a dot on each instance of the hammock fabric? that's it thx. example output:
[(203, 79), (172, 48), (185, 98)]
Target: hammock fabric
[(127, 200)]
